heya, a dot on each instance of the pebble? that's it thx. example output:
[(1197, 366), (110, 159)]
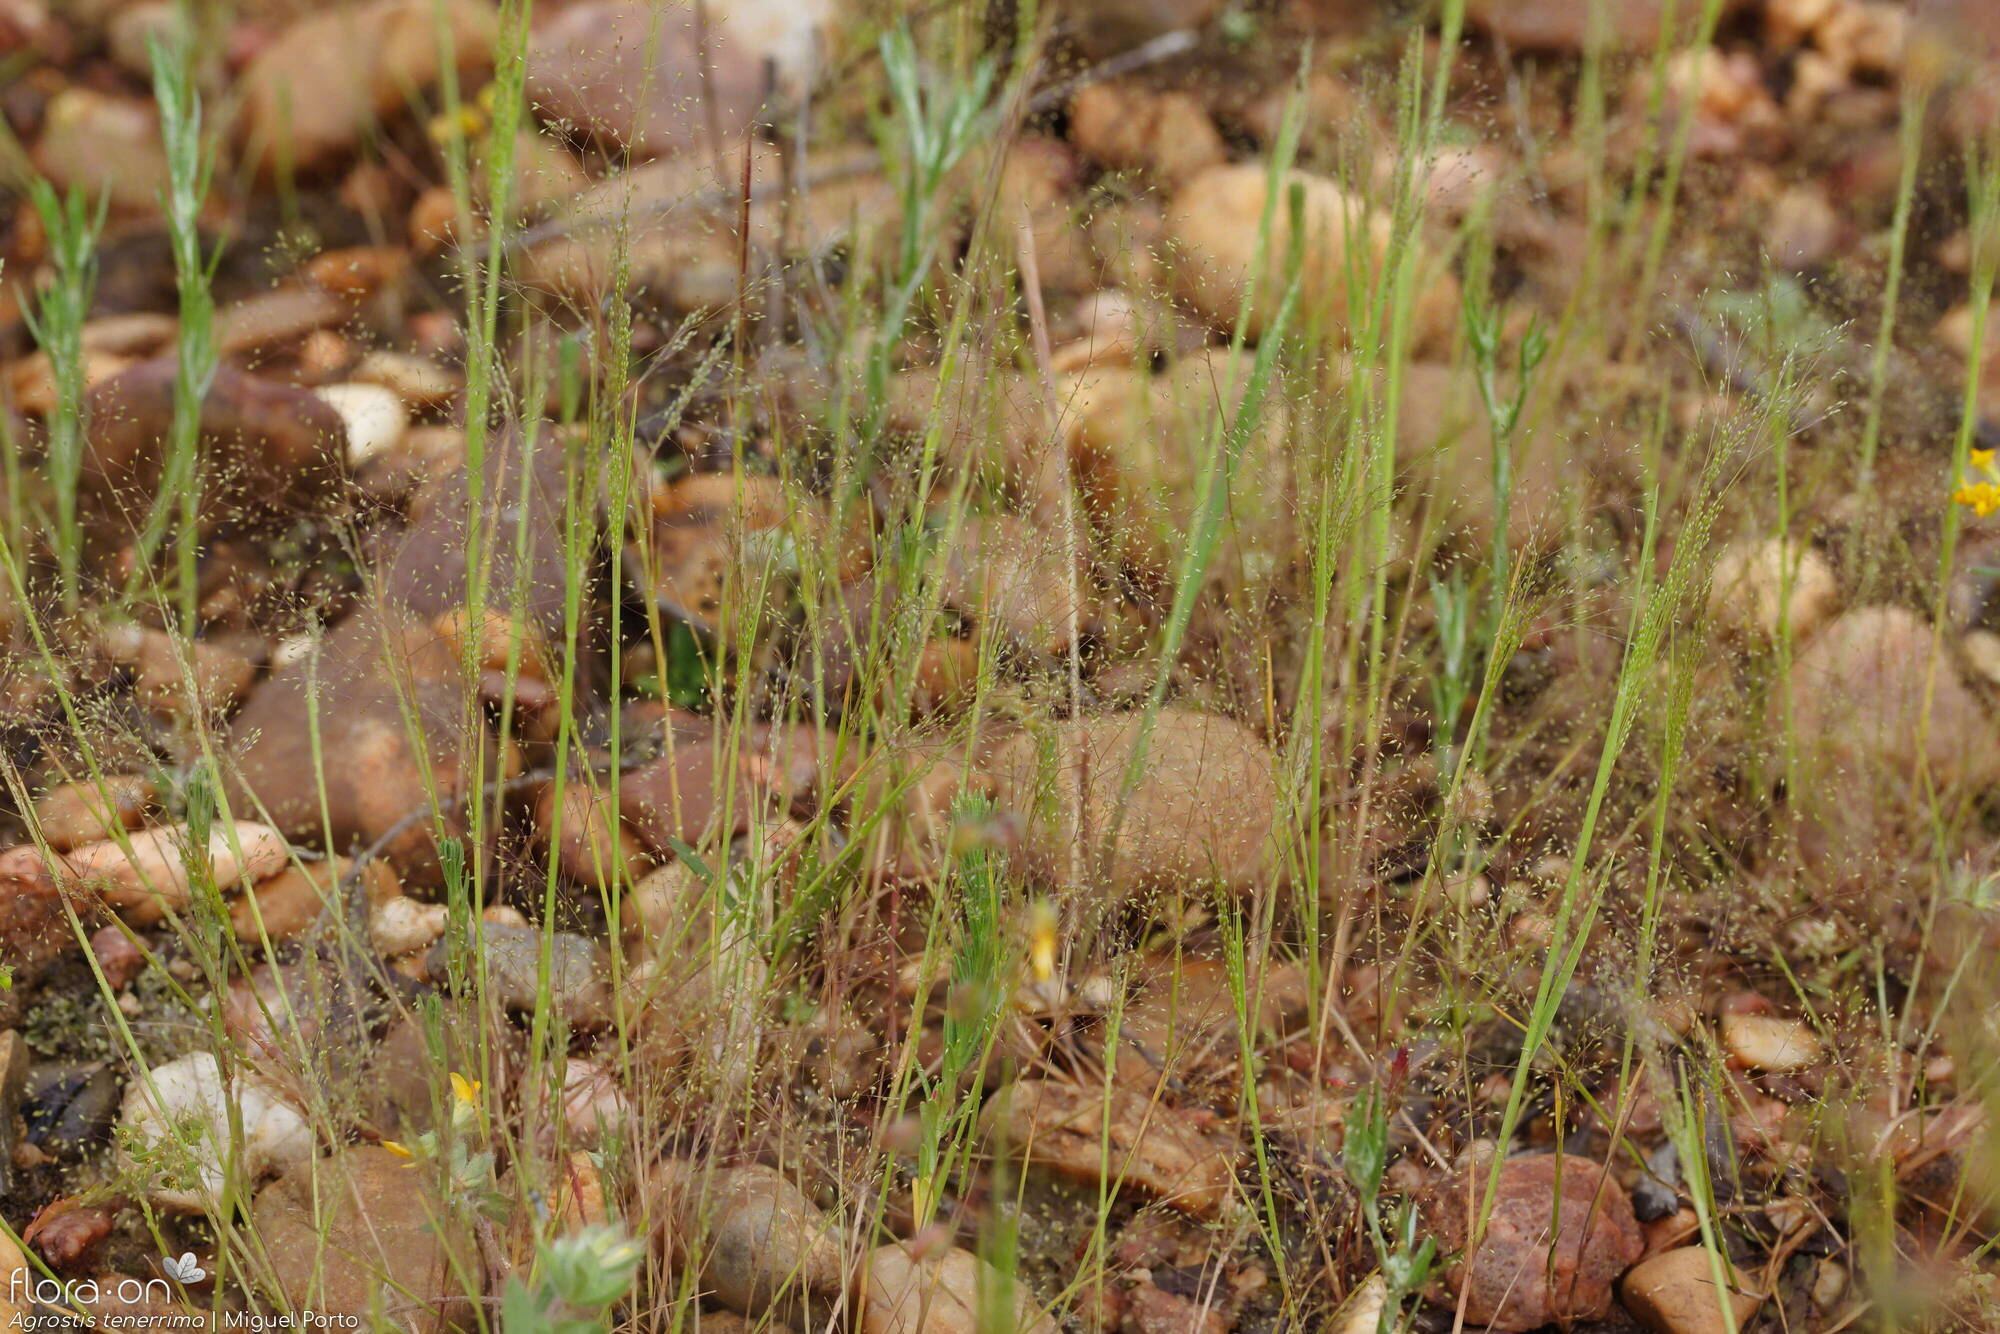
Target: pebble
[(1748, 592), (103, 144), (375, 418), (1858, 694), (401, 925), (266, 448), (760, 1242), (904, 1292), (1768, 1042), (587, 68), (175, 1133), (595, 1109), (1518, 1279), (1174, 832), (1674, 1293), (309, 96), (418, 381), (156, 874), (1564, 25), (85, 811), (15, 1273), (355, 1239), (1153, 1149), (14, 1063), (579, 977), (286, 904), (1215, 219)]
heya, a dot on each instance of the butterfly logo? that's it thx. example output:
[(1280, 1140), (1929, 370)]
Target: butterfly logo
[(187, 1269)]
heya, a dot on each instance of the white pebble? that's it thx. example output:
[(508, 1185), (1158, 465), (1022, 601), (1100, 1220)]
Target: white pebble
[(176, 1133), (376, 419)]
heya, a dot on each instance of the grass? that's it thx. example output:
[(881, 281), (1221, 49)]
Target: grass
[(1392, 631)]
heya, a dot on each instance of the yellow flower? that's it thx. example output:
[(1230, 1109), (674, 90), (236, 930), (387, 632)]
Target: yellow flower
[(1042, 940), (399, 1150), (1982, 459), (1982, 497), (465, 1091)]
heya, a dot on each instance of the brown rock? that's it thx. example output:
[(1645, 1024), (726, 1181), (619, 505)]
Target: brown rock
[(87, 812), (1157, 1150), (1154, 1310), (377, 762), (178, 678), (34, 921), (759, 1240), (327, 80), (1564, 25), (588, 69), (1675, 1293), (14, 1273), (1203, 809), (1108, 27), (266, 449), (360, 1234), (283, 905), (1005, 571), (1128, 127), (1871, 700), (1559, 1234), (903, 1293), (1216, 218), (100, 144)]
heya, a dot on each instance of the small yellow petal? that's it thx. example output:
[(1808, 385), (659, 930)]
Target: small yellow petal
[(1982, 459), (1042, 940), (465, 1090), (393, 1147)]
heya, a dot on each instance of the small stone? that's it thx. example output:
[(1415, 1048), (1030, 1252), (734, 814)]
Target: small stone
[(1519, 1279), (1768, 1042), (588, 68), (401, 925), (101, 144), (135, 28), (907, 1293), (1362, 1312), (1674, 1293), (357, 1238), (158, 872), (759, 1241), (1105, 28), (1172, 832), (86, 812), (1804, 230), (1760, 583), (284, 905), (594, 1108), (1214, 222), (418, 381), (15, 1274), (375, 418), (177, 1133), (579, 978), (1565, 25), (313, 92), (1154, 1149), (14, 1062), (1128, 127), (266, 448)]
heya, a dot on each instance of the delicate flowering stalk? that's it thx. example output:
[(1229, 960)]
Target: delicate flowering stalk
[(57, 321)]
